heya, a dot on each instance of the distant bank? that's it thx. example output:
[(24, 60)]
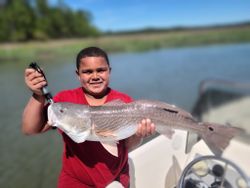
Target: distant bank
[(130, 41)]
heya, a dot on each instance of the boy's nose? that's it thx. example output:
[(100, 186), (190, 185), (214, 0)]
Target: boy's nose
[(95, 76)]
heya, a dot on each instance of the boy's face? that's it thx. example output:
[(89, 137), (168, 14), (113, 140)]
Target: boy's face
[(94, 75)]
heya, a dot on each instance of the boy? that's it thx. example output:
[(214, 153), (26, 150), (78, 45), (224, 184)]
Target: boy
[(88, 164)]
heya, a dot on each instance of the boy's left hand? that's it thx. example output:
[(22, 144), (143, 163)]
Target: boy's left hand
[(145, 128)]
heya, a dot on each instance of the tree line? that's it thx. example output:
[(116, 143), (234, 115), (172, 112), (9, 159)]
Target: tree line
[(23, 20)]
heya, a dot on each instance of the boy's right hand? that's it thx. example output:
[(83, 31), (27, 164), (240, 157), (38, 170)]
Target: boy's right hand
[(34, 81)]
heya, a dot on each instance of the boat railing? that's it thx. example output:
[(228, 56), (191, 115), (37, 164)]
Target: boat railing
[(205, 84), (215, 92)]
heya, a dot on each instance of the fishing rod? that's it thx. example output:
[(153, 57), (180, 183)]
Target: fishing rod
[(45, 89)]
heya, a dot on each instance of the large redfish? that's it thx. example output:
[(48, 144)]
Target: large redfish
[(116, 120)]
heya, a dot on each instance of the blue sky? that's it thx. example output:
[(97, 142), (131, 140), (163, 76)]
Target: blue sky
[(116, 15)]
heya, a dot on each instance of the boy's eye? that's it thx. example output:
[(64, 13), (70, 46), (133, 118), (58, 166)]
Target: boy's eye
[(87, 71), (100, 70)]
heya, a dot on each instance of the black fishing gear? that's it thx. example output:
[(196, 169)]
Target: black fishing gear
[(45, 89)]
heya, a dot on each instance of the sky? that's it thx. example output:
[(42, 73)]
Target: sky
[(119, 15)]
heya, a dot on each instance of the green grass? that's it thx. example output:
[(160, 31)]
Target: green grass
[(124, 43)]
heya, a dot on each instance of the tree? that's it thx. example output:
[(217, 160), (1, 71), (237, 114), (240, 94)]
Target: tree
[(17, 20), (22, 20), (81, 24)]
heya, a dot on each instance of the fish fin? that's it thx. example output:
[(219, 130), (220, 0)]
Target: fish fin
[(106, 133), (168, 133), (191, 140), (218, 136), (173, 174), (103, 134), (115, 102)]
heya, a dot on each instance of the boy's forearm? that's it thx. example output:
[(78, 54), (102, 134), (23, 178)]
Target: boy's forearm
[(34, 117)]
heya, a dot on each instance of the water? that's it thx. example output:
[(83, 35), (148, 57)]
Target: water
[(174, 75), (170, 75)]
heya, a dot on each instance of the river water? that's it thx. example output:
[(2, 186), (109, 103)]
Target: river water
[(170, 75)]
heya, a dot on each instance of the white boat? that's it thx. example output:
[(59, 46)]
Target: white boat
[(185, 162)]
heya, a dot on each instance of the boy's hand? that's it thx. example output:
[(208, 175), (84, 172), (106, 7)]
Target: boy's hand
[(34, 80), (145, 128)]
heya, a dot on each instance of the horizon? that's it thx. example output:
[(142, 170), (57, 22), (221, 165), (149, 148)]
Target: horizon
[(232, 24)]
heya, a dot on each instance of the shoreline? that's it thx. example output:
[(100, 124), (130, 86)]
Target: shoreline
[(136, 42)]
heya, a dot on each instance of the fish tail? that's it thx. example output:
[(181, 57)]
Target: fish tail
[(218, 136)]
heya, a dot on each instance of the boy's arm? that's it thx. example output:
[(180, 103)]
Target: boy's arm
[(34, 118)]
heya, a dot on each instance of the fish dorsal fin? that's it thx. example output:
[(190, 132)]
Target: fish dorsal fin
[(116, 102)]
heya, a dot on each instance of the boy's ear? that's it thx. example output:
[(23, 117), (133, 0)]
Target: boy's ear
[(77, 72)]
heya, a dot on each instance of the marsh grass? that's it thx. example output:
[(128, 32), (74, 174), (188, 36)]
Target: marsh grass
[(124, 43)]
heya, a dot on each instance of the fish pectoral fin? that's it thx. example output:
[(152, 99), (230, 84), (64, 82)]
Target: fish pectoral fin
[(106, 133), (102, 133)]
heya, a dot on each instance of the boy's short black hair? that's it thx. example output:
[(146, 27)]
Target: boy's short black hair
[(91, 52)]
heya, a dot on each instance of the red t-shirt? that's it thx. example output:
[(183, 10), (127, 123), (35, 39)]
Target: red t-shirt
[(89, 164)]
